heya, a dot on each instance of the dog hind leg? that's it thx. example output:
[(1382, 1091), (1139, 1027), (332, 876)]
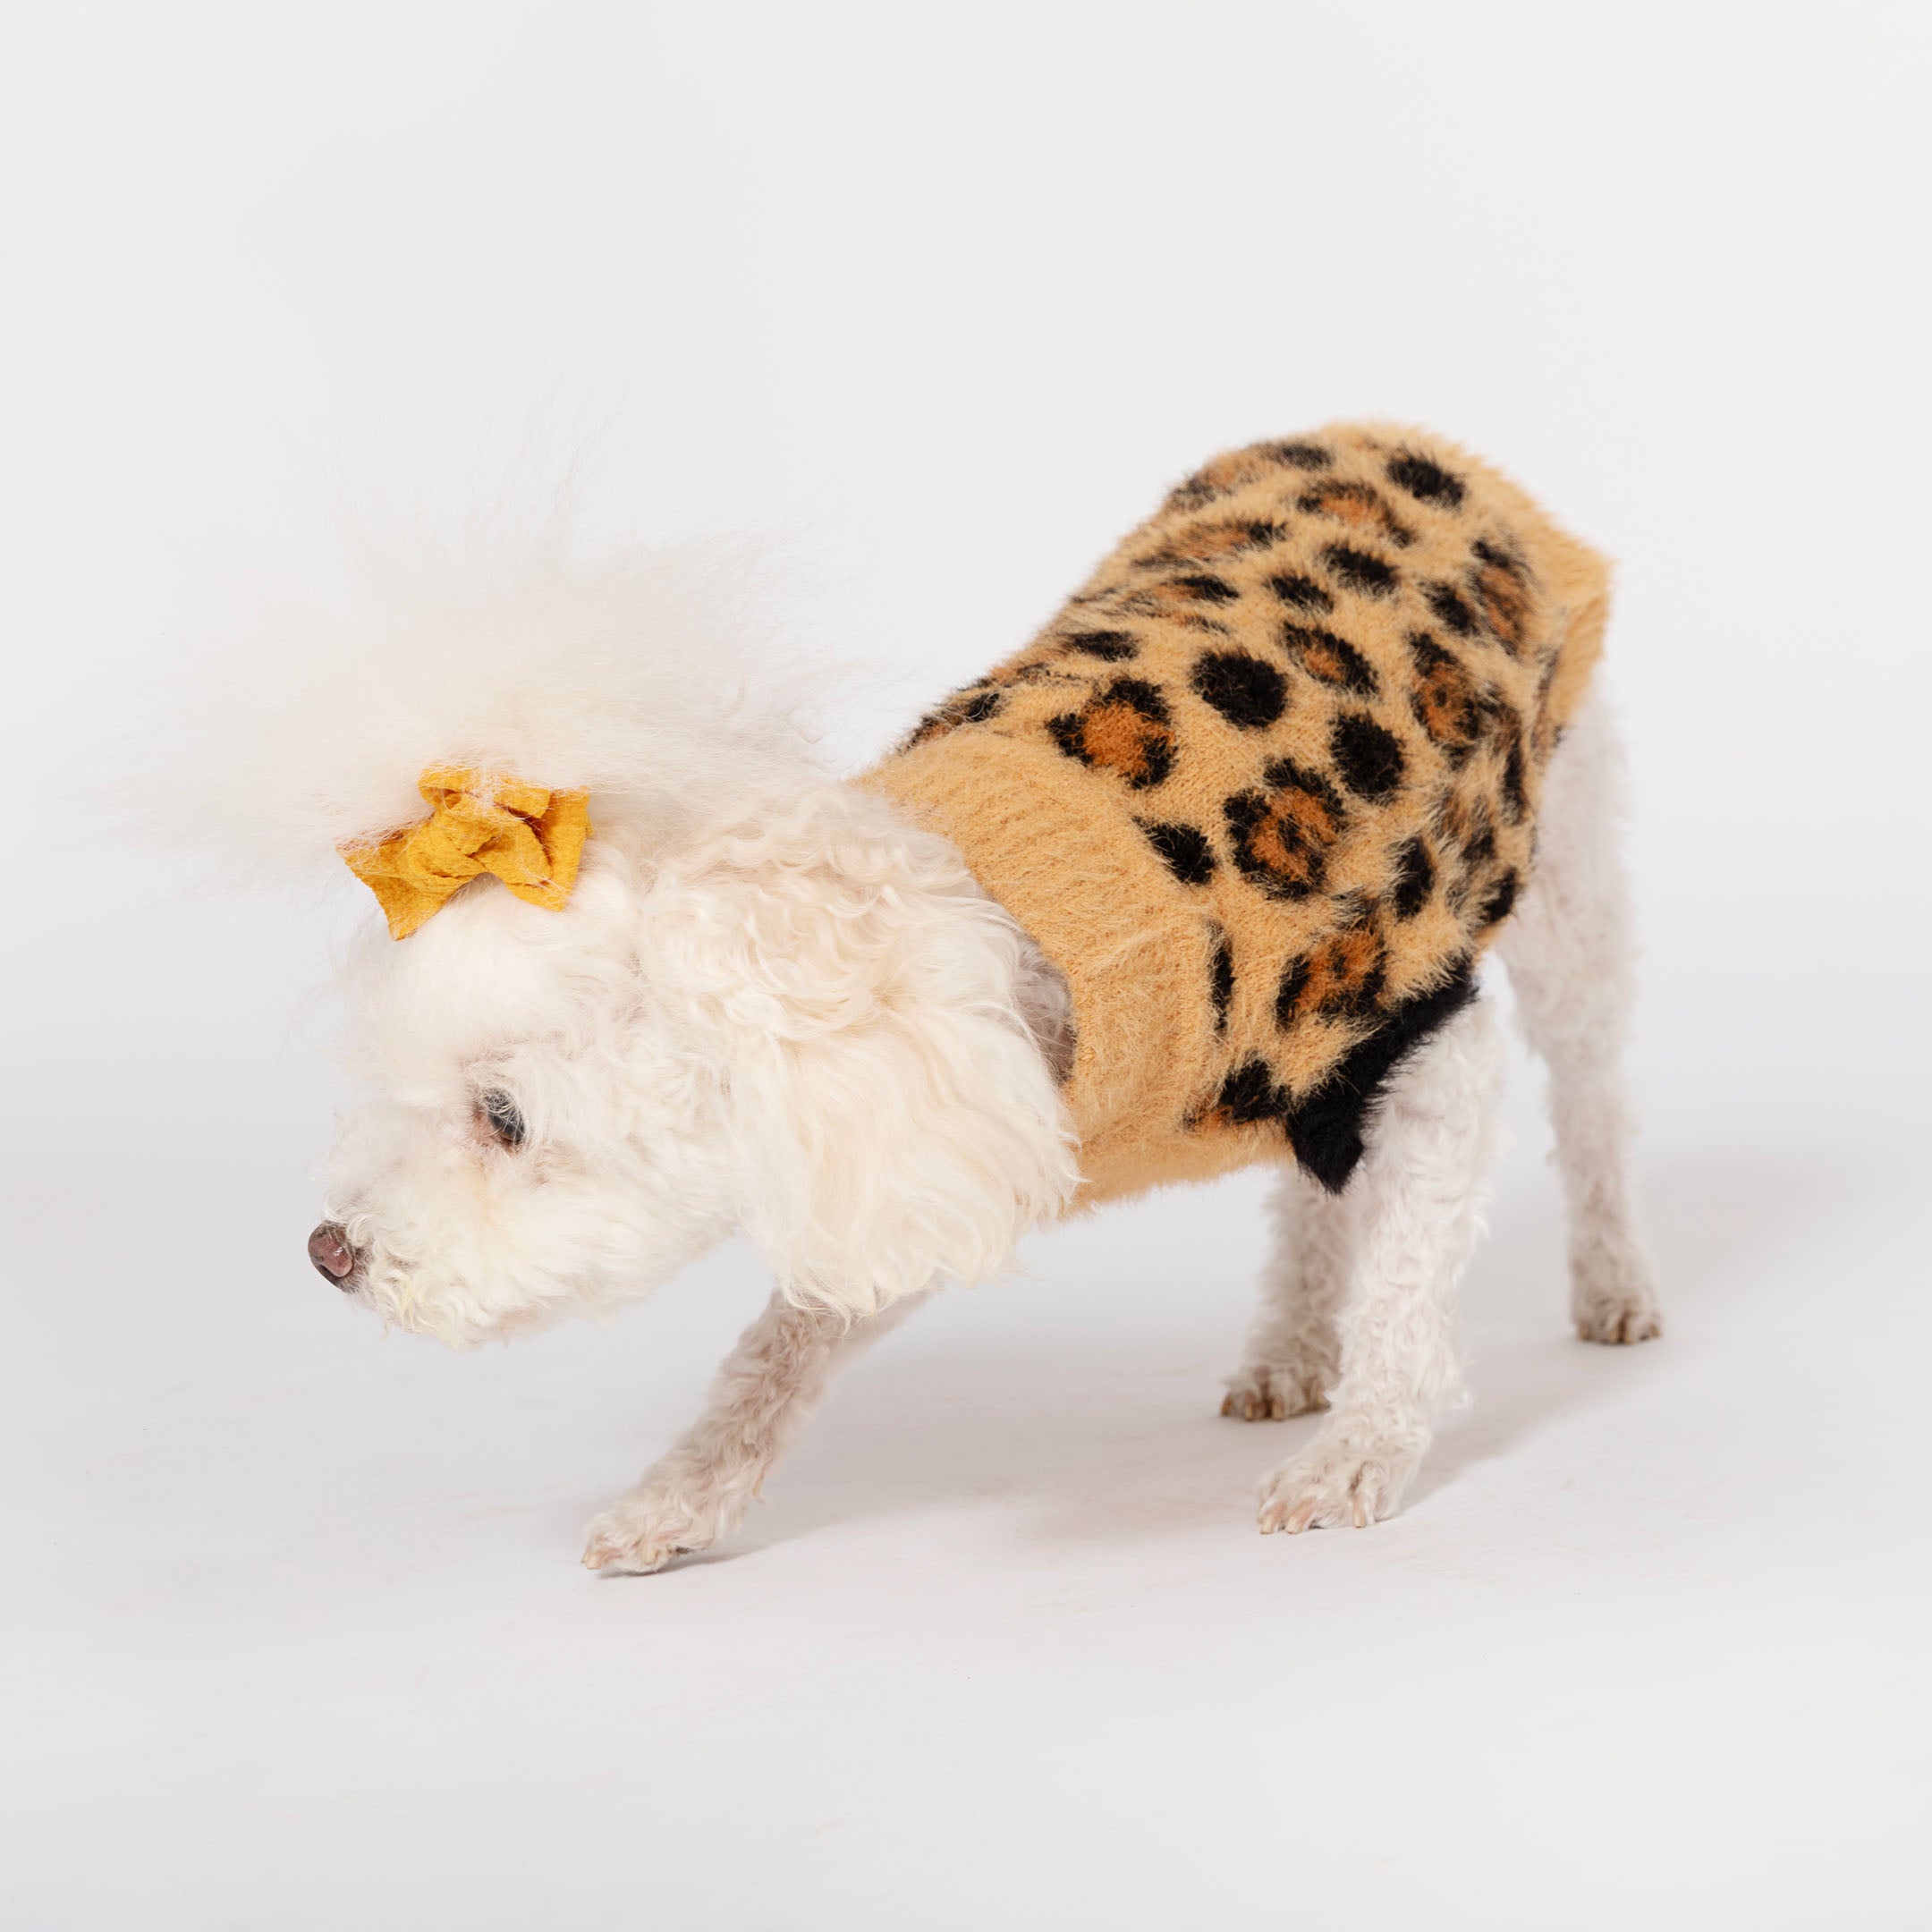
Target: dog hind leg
[(1568, 952)]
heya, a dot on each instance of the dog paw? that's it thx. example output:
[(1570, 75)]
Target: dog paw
[(1613, 1297), (644, 1532), (1331, 1484), (1619, 1321), (1264, 1391)]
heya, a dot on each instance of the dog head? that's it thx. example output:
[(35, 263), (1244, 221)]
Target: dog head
[(762, 1002), (806, 1022), (534, 1131)]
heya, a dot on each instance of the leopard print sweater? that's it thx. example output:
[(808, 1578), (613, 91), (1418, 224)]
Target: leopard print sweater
[(1266, 787)]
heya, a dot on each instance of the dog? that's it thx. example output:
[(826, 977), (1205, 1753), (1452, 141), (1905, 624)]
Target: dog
[(1200, 878)]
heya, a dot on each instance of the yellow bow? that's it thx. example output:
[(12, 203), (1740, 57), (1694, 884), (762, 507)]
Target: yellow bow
[(478, 822)]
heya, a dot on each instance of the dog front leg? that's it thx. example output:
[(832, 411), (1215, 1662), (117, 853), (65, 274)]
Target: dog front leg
[(705, 1482), (1413, 1209)]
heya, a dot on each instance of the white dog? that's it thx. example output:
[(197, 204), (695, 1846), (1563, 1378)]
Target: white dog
[(777, 1001)]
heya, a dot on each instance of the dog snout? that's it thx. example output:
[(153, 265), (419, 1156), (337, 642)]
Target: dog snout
[(334, 1257)]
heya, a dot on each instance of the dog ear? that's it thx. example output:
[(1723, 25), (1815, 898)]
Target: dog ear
[(896, 1122)]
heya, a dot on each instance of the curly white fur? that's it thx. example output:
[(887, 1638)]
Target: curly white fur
[(804, 1021)]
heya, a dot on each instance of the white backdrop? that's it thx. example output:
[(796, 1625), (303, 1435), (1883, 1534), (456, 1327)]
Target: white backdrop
[(946, 297)]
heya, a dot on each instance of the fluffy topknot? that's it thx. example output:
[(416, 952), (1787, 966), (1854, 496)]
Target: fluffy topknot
[(305, 714)]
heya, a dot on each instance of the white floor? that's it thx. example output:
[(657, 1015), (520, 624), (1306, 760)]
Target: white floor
[(298, 1638)]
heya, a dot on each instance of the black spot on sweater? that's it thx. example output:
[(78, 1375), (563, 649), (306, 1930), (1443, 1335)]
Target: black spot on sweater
[(1415, 879), (1300, 593), (1451, 612), (1111, 646), (1429, 481), (1245, 691), (1298, 455), (1207, 587), (1184, 849), (1368, 757), (1221, 987), (1249, 1094), (1360, 570)]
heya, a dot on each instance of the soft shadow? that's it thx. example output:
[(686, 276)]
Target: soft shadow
[(1709, 1225), (1111, 1431)]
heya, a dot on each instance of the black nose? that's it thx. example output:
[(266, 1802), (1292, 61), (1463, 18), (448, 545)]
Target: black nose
[(335, 1259)]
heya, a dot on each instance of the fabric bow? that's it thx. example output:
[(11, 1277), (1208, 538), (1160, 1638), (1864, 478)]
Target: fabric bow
[(478, 822)]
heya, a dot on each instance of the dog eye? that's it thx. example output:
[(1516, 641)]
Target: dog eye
[(500, 1115)]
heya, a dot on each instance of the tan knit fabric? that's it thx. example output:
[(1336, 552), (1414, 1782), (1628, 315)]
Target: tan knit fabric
[(1266, 787)]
